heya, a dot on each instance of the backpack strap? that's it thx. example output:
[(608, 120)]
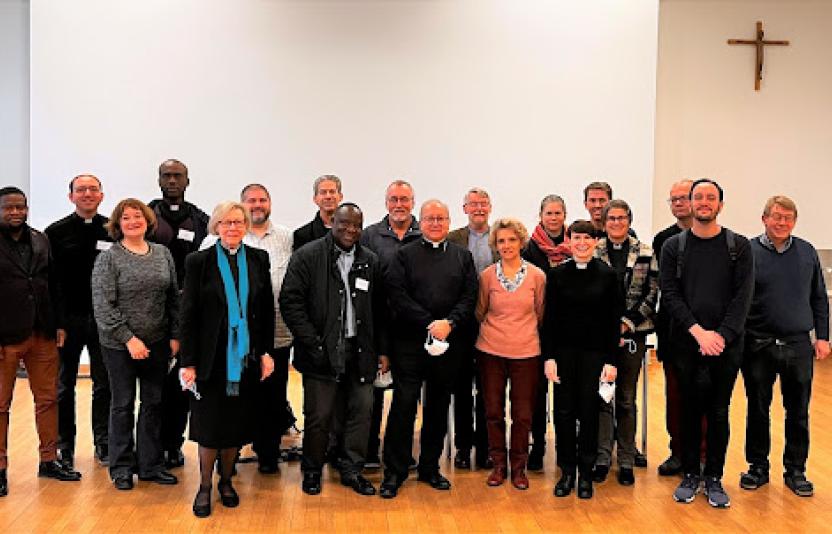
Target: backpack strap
[(680, 254)]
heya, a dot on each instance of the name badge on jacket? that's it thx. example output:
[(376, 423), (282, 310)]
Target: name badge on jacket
[(103, 245), (362, 284), (186, 235)]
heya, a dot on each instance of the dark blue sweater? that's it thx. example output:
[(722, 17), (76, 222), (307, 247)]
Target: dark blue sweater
[(789, 291)]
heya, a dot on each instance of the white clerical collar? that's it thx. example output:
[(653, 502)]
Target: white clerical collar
[(437, 244), (581, 264)]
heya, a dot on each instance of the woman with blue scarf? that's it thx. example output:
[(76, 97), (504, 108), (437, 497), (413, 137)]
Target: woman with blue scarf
[(227, 328)]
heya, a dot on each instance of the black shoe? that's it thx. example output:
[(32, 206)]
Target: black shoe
[(311, 484), (754, 478), (102, 454), (174, 458), (67, 459), (625, 476), (640, 460), (535, 461), (436, 480), (162, 477), (56, 470), (670, 467), (599, 474), (484, 463), (202, 502), (584, 488), (359, 484), (267, 467), (462, 460), (123, 482), (372, 461), (4, 483), (565, 485), (799, 485), (228, 495), (389, 487), (413, 465)]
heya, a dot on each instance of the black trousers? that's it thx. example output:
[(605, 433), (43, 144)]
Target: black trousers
[(123, 372), (411, 367), (576, 400), (374, 442), (539, 422), (793, 360), (81, 332), (272, 411), (175, 408), (320, 399), (470, 429), (705, 385)]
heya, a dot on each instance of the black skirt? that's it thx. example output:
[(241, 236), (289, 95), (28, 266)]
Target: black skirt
[(219, 421)]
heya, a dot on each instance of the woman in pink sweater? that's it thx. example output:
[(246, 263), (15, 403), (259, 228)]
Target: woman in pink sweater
[(510, 309)]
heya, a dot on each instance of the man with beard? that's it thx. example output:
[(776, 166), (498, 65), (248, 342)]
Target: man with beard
[(432, 287), (277, 241), (27, 332), (474, 237), (596, 197), (707, 276), (76, 241), (181, 227), (333, 302), (326, 194)]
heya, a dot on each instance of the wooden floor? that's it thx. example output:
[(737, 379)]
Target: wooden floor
[(276, 503)]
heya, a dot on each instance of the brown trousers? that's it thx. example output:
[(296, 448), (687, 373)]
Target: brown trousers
[(40, 356)]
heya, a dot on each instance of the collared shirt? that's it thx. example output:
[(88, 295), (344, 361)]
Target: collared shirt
[(766, 242), (344, 262), (22, 246), (478, 246), (277, 242)]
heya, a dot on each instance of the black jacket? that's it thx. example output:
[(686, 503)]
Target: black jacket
[(25, 296), (204, 309), (315, 229), (313, 303)]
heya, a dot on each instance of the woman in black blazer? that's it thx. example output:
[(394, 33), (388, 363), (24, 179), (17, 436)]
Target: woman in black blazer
[(224, 346)]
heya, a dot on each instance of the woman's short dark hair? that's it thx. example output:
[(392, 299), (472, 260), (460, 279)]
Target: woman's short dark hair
[(616, 203), (114, 225), (580, 227)]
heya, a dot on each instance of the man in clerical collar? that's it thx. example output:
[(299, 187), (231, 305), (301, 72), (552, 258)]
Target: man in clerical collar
[(334, 303), (467, 435), (181, 227), (27, 332), (432, 286), (327, 195), (76, 241)]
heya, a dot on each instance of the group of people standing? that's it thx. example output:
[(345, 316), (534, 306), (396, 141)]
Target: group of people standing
[(205, 313)]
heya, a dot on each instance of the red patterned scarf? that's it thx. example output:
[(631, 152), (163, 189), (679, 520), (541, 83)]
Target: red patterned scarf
[(557, 254)]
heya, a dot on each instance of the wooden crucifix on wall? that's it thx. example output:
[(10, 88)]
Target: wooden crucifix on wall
[(759, 42)]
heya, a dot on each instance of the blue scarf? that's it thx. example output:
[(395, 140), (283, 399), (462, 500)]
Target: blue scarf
[(238, 340)]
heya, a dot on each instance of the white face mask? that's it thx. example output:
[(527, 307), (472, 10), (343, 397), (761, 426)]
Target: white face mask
[(383, 380), (606, 390), (435, 347)]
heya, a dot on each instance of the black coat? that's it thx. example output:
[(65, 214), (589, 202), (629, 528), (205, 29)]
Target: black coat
[(314, 229), (25, 297), (312, 302), (204, 309)]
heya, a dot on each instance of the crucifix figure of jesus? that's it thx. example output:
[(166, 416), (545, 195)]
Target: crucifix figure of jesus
[(759, 42)]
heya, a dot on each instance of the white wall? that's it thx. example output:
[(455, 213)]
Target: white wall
[(711, 122), (522, 98), (14, 93)]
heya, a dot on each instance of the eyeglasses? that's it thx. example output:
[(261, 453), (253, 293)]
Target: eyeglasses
[(435, 220), (618, 218), (229, 224), (481, 204), (399, 200), (683, 199), (778, 218), (87, 189)]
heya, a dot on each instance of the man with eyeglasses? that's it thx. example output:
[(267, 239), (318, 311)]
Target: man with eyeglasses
[(432, 288), (706, 276), (326, 194), (789, 302), (76, 240), (469, 427), (679, 202), (385, 238), (181, 227)]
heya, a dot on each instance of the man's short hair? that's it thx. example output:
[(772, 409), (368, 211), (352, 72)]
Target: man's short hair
[(249, 187), (479, 191), (603, 186), (515, 225), (398, 183), (352, 205), (113, 226), (580, 226), (172, 160), (11, 190), (433, 201), (325, 178), (706, 181), (616, 203), (780, 200), (685, 181), (548, 199), (72, 182)]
